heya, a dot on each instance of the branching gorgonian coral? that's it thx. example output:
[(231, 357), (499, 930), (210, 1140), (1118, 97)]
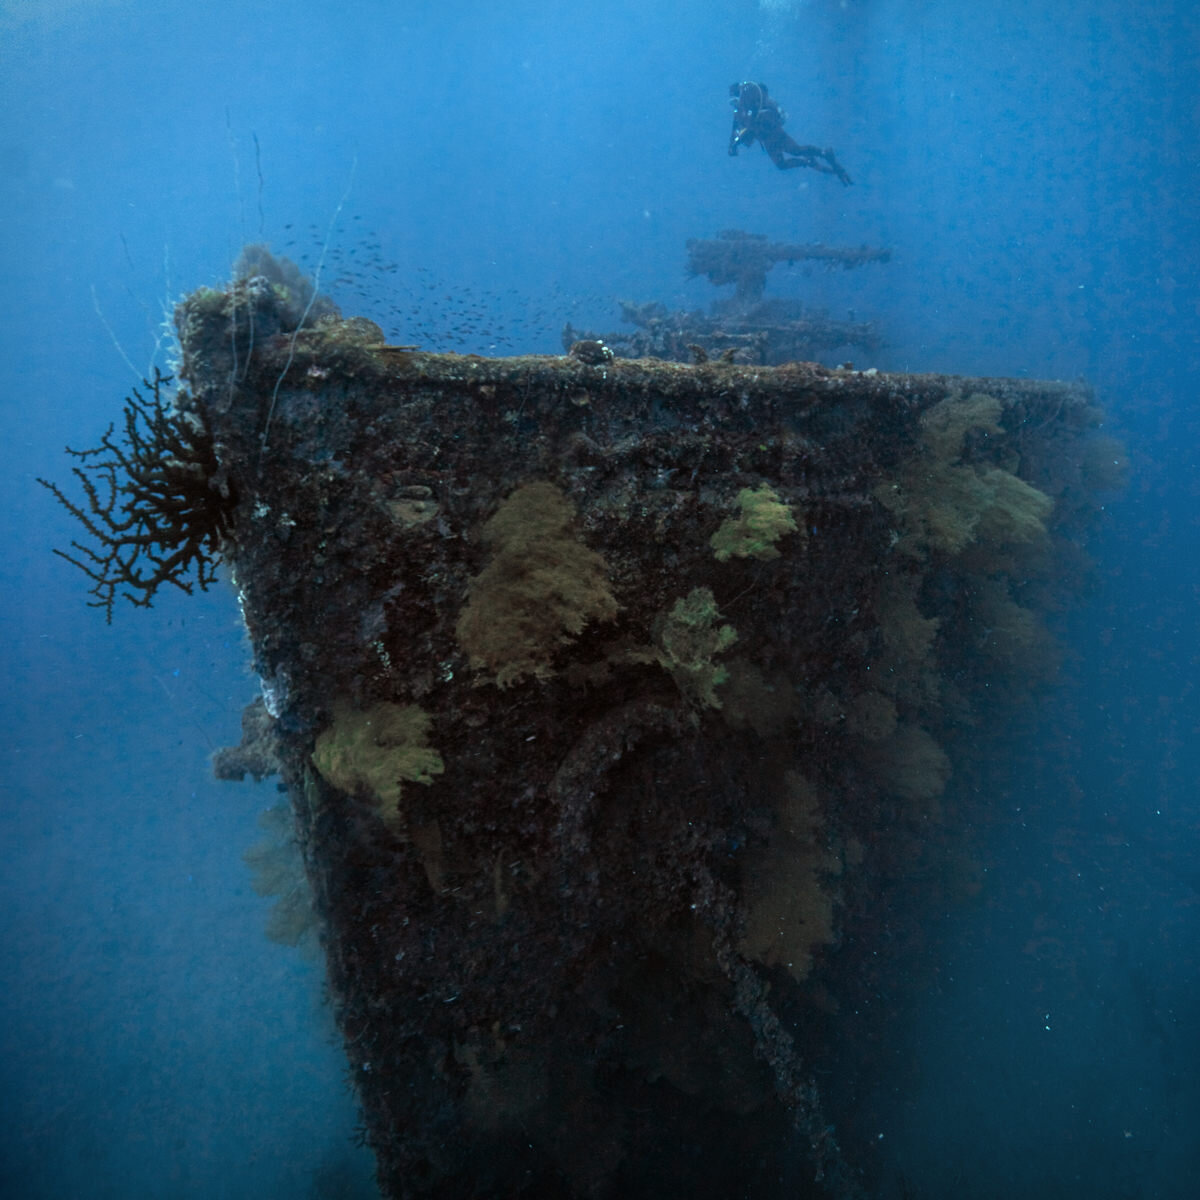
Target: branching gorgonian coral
[(154, 508)]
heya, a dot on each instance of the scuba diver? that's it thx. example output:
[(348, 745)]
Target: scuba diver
[(758, 117)]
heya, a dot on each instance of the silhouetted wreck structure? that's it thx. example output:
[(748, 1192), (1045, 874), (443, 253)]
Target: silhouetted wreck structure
[(615, 701), (747, 326), (744, 259)]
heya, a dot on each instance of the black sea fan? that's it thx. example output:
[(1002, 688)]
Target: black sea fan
[(155, 507)]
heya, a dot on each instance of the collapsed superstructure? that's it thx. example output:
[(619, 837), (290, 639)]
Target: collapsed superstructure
[(747, 326), (611, 695)]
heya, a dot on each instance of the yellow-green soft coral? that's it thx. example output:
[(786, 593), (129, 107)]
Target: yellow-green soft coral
[(378, 750), (789, 884), (944, 505), (541, 586), (688, 639), (944, 427), (763, 520), (913, 766), (1016, 511)]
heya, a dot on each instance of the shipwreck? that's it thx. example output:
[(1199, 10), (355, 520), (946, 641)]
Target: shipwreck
[(610, 696)]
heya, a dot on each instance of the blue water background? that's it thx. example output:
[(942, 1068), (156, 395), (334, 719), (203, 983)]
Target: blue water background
[(1034, 168)]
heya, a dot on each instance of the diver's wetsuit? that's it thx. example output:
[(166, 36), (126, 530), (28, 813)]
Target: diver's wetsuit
[(758, 117)]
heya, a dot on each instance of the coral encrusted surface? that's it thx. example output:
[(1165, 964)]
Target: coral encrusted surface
[(610, 696)]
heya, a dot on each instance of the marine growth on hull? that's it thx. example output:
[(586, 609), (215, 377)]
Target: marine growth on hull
[(615, 698)]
